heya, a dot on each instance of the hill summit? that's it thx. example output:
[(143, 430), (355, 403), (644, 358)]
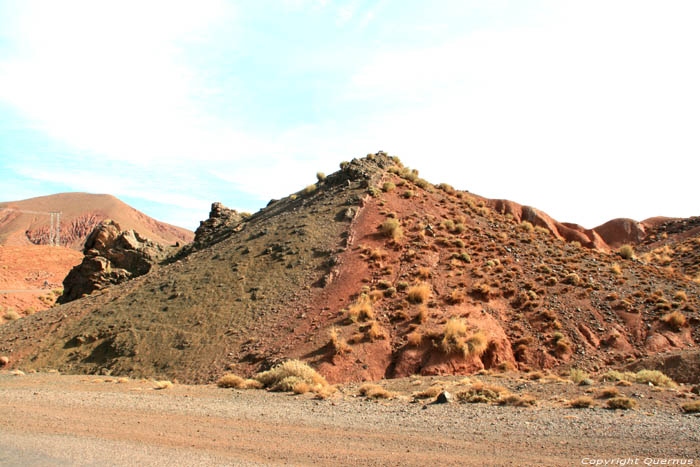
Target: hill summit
[(374, 272)]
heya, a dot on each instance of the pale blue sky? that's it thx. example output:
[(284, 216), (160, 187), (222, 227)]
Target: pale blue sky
[(586, 110)]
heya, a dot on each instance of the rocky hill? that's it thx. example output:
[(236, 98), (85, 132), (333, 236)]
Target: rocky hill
[(80, 214), (374, 272)]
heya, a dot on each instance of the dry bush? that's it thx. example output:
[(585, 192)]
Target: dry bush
[(419, 293), (424, 272), (516, 400), (482, 289), (376, 332), (301, 387), (577, 375), (573, 279), (408, 194), (582, 402), (615, 268), (680, 296), (391, 228), (320, 176), (457, 296), (162, 385), (691, 407), (675, 320), (375, 391), (284, 376), (455, 339), (621, 403), (431, 392), (415, 338), (388, 186), (654, 377), (337, 342), (309, 189), (361, 310), (607, 393), (626, 251), (11, 315), (422, 315), (481, 393), (526, 226), (235, 381)]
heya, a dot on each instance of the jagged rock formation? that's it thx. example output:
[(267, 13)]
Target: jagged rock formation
[(112, 256)]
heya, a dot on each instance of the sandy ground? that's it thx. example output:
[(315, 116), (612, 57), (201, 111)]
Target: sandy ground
[(49, 419)]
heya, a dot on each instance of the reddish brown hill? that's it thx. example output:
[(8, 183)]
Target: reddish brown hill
[(80, 213), (373, 273)]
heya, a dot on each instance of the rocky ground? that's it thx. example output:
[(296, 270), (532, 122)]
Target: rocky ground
[(50, 419)]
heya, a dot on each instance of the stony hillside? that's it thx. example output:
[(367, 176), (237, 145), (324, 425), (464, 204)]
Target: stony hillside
[(80, 214), (374, 272)]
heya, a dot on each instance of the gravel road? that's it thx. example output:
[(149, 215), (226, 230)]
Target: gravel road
[(47, 419)]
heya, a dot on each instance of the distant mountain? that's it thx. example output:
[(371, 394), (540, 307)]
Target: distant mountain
[(27, 222)]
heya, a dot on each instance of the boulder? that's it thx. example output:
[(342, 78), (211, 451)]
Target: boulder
[(111, 256)]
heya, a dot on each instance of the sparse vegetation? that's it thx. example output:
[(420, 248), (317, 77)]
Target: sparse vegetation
[(388, 186), (675, 320), (320, 176), (582, 402), (626, 251), (375, 391), (481, 393), (621, 403), (285, 376), (391, 228), (310, 189), (456, 339), (691, 407), (159, 385), (419, 293), (361, 310), (339, 344), (234, 381), (577, 375)]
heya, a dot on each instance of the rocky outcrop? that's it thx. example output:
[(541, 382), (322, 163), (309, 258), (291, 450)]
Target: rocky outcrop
[(111, 256), (221, 221)]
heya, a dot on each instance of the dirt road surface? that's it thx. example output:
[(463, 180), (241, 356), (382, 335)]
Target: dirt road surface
[(48, 419)]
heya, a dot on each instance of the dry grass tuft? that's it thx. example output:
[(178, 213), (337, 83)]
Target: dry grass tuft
[(431, 392), (419, 293), (691, 407), (455, 339), (234, 381), (165, 384), (676, 320), (621, 403), (361, 310), (577, 375), (582, 402), (391, 228), (607, 393), (626, 251), (286, 375), (516, 400), (654, 377), (337, 342), (388, 186), (375, 391), (481, 393)]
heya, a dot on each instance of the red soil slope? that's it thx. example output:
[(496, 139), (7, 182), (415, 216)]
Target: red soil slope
[(80, 213), (33, 267)]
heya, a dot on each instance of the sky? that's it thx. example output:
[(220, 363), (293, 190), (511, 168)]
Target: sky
[(587, 110)]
